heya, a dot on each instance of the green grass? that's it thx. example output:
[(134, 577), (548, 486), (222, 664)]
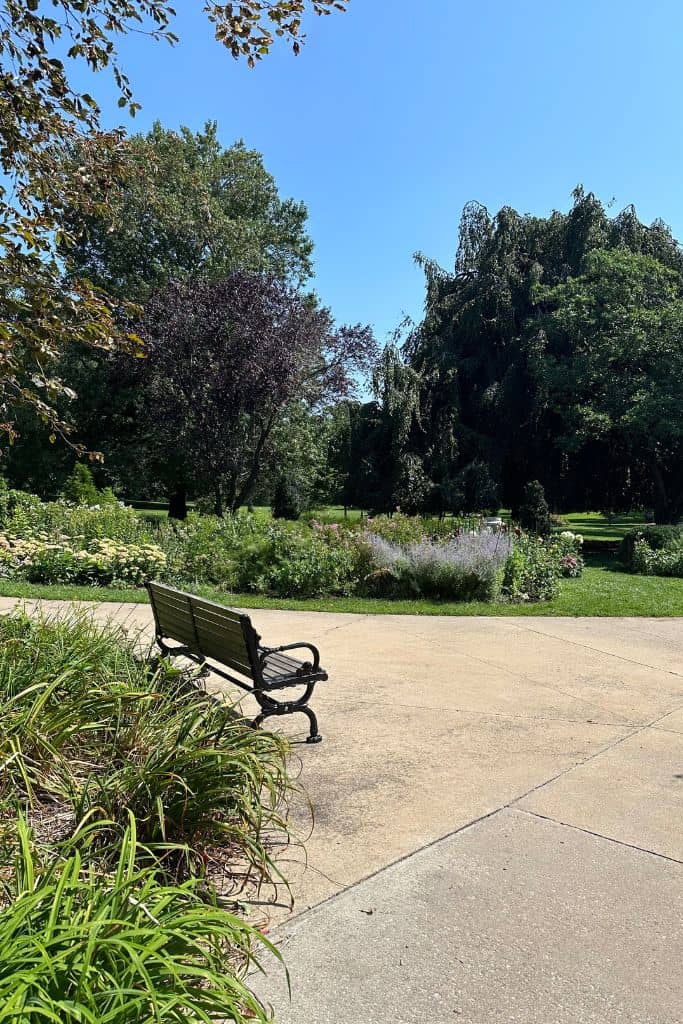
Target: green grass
[(596, 526), (603, 590)]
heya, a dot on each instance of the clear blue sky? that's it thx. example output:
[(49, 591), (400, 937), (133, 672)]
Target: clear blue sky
[(400, 111)]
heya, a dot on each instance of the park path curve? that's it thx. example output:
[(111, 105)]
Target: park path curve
[(497, 808)]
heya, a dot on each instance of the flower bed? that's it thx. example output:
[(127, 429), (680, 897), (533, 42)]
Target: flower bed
[(389, 556)]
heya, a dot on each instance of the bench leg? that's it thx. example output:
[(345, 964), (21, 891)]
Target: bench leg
[(272, 708)]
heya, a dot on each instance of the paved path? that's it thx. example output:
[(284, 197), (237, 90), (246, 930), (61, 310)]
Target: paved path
[(498, 831)]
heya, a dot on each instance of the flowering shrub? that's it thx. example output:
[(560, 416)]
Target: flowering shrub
[(403, 529), (24, 515), (397, 556), (101, 562), (466, 568), (290, 561), (657, 538), (661, 562), (568, 547)]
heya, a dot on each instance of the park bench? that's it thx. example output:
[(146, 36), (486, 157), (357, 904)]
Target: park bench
[(205, 631)]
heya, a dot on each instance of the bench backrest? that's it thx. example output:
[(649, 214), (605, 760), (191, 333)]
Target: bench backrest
[(207, 629)]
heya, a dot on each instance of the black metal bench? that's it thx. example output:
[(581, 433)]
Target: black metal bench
[(205, 630)]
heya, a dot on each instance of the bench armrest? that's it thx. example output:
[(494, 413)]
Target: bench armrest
[(266, 651)]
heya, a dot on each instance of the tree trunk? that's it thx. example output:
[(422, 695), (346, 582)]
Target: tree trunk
[(663, 511), (218, 499), (177, 503)]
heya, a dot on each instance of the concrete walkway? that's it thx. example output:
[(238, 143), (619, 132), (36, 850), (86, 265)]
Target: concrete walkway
[(498, 832)]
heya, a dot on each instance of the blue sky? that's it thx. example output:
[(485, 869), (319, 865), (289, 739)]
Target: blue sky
[(400, 111)]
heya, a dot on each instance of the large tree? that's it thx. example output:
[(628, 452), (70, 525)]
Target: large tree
[(613, 367), (179, 205), (225, 360), (41, 116), (484, 354)]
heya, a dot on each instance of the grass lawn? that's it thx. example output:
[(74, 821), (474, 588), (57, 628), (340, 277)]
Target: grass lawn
[(603, 590)]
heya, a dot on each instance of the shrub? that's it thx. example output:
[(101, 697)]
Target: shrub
[(534, 514), (665, 561), (532, 571), (101, 562), (291, 561), (567, 547), (656, 538), (77, 945), (402, 529), (80, 487), (287, 500), (28, 517), (465, 568)]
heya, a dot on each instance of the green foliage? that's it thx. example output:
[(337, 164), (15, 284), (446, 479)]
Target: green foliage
[(287, 502), (667, 561), (86, 723), (532, 572), (298, 562), (654, 550), (554, 351), (204, 211), (657, 538), (28, 518), (252, 553), (100, 563), (568, 547), (44, 315), (80, 945), (534, 514), (80, 487)]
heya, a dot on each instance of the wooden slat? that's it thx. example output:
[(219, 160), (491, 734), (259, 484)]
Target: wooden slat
[(211, 608), (161, 601), (163, 593), (213, 630), (215, 622), (216, 644)]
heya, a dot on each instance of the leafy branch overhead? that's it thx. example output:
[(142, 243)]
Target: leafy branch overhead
[(42, 116)]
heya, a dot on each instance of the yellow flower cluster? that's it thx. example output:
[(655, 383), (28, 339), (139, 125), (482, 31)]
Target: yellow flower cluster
[(59, 560)]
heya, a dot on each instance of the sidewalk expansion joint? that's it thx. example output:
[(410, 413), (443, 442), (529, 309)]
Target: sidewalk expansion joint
[(599, 650), (597, 835)]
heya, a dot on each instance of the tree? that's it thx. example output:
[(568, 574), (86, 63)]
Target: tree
[(225, 359), (386, 470), (485, 352), (179, 205), (41, 116), (615, 367)]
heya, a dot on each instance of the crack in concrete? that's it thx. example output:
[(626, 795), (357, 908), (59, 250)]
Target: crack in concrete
[(591, 757), (525, 678), (483, 714)]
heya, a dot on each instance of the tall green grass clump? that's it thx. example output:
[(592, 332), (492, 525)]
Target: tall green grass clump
[(91, 727), (79, 946)]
